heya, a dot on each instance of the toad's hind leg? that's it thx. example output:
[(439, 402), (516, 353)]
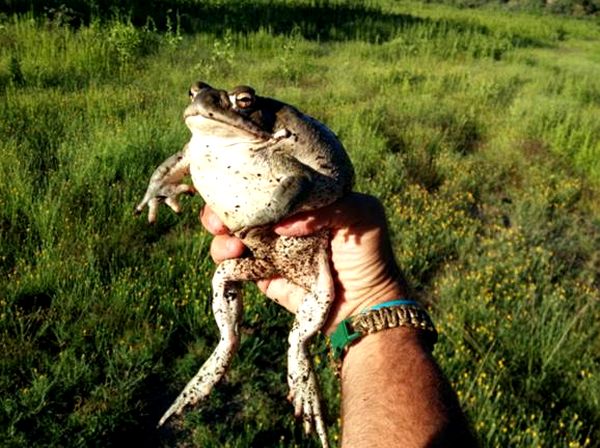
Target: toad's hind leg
[(227, 309), (310, 317)]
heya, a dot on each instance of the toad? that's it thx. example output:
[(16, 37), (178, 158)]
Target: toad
[(256, 160)]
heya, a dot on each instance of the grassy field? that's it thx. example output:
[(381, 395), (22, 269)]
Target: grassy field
[(478, 129)]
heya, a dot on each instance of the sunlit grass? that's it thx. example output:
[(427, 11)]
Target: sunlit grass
[(478, 131)]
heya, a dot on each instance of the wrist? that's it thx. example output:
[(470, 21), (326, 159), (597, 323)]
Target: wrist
[(381, 349), (353, 301), (380, 318)]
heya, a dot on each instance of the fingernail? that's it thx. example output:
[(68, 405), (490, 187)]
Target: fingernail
[(286, 225), (232, 244), (289, 227), (234, 247), (213, 221)]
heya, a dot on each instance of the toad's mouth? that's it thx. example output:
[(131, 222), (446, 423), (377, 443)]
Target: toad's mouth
[(209, 127), (197, 116)]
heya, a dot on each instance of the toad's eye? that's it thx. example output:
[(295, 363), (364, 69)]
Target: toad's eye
[(244, 100)]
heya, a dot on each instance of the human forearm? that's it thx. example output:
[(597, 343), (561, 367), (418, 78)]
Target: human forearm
[(393, 394)]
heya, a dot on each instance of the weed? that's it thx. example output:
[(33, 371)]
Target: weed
[(221, 57)]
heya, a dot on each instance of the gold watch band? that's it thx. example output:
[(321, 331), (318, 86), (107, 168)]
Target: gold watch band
[(397, 313)]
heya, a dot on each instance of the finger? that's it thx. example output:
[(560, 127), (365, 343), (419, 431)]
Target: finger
[(307, 417), (185, 189), (282, 292), (140, 207), (301, 224), (352, 210), (298, 405), (321, 431), (153, 210), (173, 203), (225, 247), (211, 222)]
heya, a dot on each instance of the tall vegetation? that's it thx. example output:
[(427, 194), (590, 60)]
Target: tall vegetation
[(477, 130)]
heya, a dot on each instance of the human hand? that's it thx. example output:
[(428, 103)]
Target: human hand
[(363, 266)]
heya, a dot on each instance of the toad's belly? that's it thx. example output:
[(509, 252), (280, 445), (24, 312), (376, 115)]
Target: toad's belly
[(232, 180)]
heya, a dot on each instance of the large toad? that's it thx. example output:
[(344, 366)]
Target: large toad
[(256, 160)]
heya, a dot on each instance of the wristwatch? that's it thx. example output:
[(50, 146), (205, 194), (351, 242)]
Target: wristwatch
[(392, 314)]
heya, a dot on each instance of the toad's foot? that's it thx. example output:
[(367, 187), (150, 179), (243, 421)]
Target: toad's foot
[(304, 396), (165, 185), (169, 194), (202, 383)]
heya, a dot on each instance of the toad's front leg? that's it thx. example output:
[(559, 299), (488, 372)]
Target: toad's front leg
[(310, 317), (165, 185)]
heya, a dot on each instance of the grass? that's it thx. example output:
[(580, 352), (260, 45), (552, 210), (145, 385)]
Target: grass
[(476, 128)]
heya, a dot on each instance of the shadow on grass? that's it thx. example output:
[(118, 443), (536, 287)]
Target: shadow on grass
[(320, 20)]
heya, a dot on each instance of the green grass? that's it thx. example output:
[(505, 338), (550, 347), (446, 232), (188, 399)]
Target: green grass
[(478, 130)]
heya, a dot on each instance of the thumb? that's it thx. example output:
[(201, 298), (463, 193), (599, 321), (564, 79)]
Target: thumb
[(302, 224), (348, 211)]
